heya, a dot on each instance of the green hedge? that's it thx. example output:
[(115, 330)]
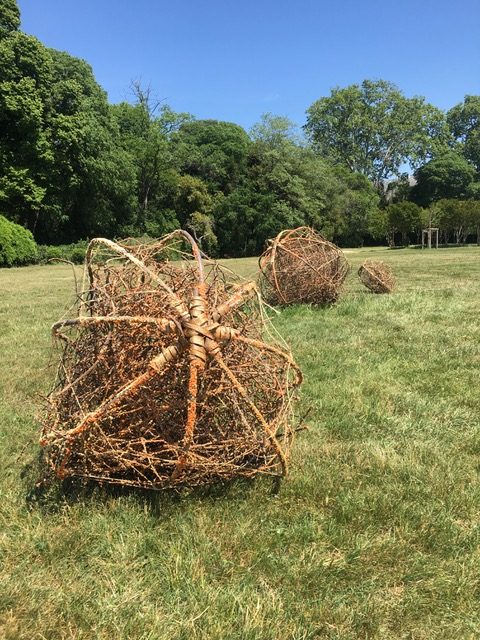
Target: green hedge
[(17, 245), (72, 252)]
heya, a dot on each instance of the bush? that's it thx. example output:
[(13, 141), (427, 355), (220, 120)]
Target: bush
[(47, 252), (17, 245), (72, 252), (77, 256)]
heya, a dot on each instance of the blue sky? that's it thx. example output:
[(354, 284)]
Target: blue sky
[(236, 60)]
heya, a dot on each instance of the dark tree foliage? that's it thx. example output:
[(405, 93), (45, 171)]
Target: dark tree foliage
[(448, 176), (464, 122), (286, 185), (63, 174), (92, 183), (9, 17), (213, 151), (25, 149), (458, 219), (401, 221)]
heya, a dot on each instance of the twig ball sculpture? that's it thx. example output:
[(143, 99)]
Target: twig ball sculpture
[(377, 276), (300, 266), (169, 373)]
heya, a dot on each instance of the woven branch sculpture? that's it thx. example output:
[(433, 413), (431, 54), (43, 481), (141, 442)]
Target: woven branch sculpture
[(377, 276), (165, 376), (300, 266)]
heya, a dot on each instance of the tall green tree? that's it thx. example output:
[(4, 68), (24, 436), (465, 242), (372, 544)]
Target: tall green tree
[(447, 176), (287, 185), (274, 131), (214, 151), (458, 219), (26, 157), (146, 128), (402, 218), (374, 129), (9, 17), (63, 173), (464, 122), (93, 180)]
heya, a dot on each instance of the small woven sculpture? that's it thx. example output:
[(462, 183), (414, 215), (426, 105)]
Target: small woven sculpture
[(300, 266), (377, 276), (165, 378)]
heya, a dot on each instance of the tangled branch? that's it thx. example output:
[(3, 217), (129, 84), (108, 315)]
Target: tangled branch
[(170, 373), (300, 266), (377, 276)]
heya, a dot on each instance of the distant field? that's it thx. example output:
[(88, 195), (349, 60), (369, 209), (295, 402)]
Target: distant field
[(374, 534)]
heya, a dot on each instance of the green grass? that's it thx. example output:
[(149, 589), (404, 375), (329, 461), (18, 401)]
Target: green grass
[(374, 534)]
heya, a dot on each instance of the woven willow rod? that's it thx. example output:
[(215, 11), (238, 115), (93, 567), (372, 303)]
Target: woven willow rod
[(165, 376)]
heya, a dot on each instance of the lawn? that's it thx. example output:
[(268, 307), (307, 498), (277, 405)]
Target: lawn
[(374, 534)]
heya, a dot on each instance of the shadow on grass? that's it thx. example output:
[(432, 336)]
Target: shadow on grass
[(46, 493)]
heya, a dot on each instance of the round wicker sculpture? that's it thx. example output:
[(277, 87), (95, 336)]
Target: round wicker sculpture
[(169, 373), (377, 276), (300, 266)]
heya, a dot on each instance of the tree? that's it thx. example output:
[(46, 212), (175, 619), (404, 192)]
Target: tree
[(274, 131), (448, 176), (9, 17), (201, 226), (92, 184), (286, 185), (464, 122), (143, 138), (403, 218), (474, 218), (459, 218), (374, 129), (63, 174), (25, 149), (354, 204), (214, 151), (378, 225)]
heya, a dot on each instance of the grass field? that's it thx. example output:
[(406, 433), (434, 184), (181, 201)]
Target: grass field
[(374, 534)]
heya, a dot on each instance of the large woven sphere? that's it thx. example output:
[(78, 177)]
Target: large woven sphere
[(300, 266), (376, 276), (169, 373)]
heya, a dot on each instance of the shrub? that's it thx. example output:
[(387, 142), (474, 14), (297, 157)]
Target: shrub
[(72, 252), (47, 252), (77, 255), (17, 245)]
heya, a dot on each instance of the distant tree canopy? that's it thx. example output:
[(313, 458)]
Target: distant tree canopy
[(213, 151), (9, 17), (73, 166), (374, 129), (447, 176), (464, 122)]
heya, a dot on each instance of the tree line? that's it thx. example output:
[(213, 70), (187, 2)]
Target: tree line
[(73, 166)]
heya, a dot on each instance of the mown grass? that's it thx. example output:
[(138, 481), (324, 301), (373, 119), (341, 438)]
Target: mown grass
[(375, 533)]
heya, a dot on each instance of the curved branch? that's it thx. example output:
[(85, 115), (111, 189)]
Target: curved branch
[(173, 299), (197, 254)]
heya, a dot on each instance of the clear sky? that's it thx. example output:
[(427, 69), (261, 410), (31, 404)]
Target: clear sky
[(234, 60)]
